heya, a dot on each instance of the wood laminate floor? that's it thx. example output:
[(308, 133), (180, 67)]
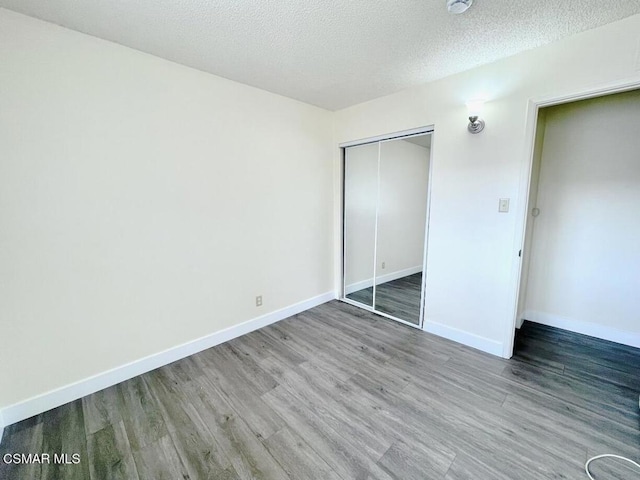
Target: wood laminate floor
[(340, 393), (399, 298)]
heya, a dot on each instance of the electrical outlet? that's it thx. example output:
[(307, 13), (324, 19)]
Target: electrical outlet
[(384, 264), (503, 205), (259, 301)]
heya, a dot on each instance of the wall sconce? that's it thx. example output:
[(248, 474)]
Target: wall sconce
[(476, 124)]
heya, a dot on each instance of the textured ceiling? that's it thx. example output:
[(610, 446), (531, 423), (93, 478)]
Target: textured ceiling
[(331, 53)]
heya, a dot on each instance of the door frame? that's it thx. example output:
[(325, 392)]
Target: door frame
[(430, 130), (533, 107)]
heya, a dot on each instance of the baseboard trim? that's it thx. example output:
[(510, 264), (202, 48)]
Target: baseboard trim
[(41, 403), (469, 339), (389, 277), (631, 339)]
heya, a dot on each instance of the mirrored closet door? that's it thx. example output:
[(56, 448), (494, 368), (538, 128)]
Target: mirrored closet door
[(385, 219)]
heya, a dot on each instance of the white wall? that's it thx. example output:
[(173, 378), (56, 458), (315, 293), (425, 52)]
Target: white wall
[(400, 194), (473, 262), (361, 195), (144, 204), (402, 212), (585, 253)]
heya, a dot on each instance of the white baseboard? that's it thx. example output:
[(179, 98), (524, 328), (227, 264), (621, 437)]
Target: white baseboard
[(41, 403), (519, 320), (471, 340), (586, 328), (388, 277)]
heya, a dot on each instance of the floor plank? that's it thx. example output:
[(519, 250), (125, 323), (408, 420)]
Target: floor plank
[(245, 451), (297, 458), (110, 456), (159, 460), (141, 414), (416, 462), (22, 438), (63, 433), (196, 447), (346, 455), (102, 409)]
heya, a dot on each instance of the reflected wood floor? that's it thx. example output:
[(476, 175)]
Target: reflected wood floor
[(399, 298), (340, 393)]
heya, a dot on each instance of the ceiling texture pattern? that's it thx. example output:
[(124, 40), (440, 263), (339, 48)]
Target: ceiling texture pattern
[(330, 53)]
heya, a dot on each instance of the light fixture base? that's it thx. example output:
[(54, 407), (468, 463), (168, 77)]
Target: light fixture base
[(476, 125), (457, 7)]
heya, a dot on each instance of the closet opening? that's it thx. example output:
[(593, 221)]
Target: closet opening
[(578, 299), (385, 224)]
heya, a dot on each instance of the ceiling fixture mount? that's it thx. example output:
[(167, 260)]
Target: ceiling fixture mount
[(458, 6)]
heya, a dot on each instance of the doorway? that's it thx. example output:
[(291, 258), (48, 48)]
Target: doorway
[(385, 218), (581, 249)]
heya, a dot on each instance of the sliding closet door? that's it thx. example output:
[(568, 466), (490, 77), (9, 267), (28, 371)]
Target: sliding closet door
[(401, 225), (360, 203), (385, 218)]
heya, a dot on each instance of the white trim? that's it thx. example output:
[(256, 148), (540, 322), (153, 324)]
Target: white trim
[(41, 403), (533, 106), (342, 227), (375, 228), (471, 340), (617, 86), (520, 321), (521, 223), (586, 328), (388, 277), (388, 136), (347, 289), (425, 252)]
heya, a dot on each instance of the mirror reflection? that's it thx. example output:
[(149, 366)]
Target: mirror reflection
[(385, 222), (360, 198)]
